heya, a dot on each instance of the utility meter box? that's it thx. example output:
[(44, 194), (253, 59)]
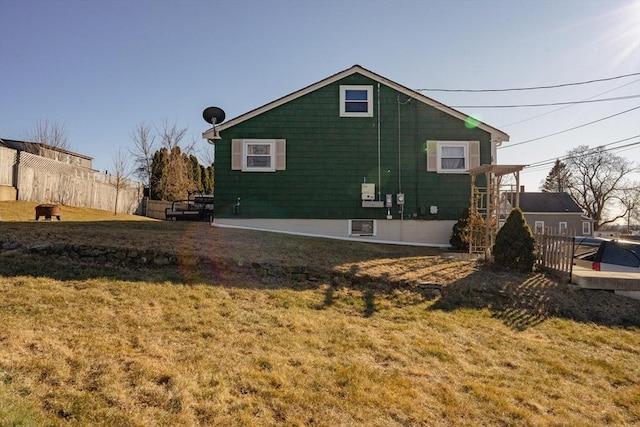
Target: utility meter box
[(368, 191)]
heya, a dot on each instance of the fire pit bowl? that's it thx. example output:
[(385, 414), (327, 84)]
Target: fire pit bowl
[(47, 211)]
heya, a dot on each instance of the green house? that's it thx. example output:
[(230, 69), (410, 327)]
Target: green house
[(353, 156)]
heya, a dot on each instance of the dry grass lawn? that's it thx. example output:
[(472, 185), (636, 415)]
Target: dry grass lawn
[(360, 343)]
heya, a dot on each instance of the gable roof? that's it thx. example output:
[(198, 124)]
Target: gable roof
[(497, 135), (548, 203)]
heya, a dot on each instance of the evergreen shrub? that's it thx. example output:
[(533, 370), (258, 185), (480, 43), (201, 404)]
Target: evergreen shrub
[(458, 239), (514, 246)]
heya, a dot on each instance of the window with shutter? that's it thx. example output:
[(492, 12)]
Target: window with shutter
[(258, 155), (452, 156)]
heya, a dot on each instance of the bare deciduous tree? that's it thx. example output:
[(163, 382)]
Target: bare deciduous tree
[(142, 153), (53, 134), (598, 180), (171, 136), (120, 176), (630, 202)]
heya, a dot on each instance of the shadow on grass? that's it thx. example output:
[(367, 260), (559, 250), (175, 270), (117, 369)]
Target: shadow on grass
[(522, 301), (63, 269)]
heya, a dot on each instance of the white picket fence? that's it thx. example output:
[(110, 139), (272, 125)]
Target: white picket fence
[(555, 250)]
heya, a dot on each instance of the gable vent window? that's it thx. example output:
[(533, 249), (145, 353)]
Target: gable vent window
[(356, 101)]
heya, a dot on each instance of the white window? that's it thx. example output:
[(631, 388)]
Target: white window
[(452, 156), (356, 101), (562, 227), (586, 228), (258, 156), (539, 227)]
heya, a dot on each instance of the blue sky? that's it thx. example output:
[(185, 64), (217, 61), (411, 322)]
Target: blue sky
[(102, 67)]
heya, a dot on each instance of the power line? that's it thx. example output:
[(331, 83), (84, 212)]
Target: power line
[(567, 130), (529, 88), (567, 106), (548, 104), (595, 148), (545, 163)]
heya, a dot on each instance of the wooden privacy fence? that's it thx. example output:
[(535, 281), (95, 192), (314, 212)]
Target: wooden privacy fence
[(156, 208), (39, 179), (555, 250), (8, 159)]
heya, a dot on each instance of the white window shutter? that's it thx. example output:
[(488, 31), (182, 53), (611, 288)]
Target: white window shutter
[(474, 154), (281, 154), (432, 156), (236, 154)]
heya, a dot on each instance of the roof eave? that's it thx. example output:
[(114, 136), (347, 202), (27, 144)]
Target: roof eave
[(497, 136)]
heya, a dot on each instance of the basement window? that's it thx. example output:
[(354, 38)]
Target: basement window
[(362, 227), (356, 101)]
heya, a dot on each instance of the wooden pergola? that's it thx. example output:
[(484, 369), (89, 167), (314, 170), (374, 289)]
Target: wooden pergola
[(485, 201)]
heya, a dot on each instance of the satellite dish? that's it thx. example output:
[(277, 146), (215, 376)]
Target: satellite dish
[(213, 115)]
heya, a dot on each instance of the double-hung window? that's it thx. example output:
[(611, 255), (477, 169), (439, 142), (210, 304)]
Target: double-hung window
[(452, 156), (562, 227), (356, 101), (258, 155)]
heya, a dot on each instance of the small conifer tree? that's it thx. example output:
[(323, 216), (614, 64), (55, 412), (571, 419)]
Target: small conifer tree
[(514, 244)]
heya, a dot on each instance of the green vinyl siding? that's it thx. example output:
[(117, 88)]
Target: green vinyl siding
[(328, 158)]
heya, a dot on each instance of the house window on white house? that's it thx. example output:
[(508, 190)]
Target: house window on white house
[(586, 228), (452, 156), (538, 227), (356, 101), (562, 227)]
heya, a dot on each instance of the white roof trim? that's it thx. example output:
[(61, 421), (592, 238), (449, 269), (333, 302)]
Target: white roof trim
[(497, 135)]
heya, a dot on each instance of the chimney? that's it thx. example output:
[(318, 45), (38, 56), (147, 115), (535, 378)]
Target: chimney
[(522, 188)]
